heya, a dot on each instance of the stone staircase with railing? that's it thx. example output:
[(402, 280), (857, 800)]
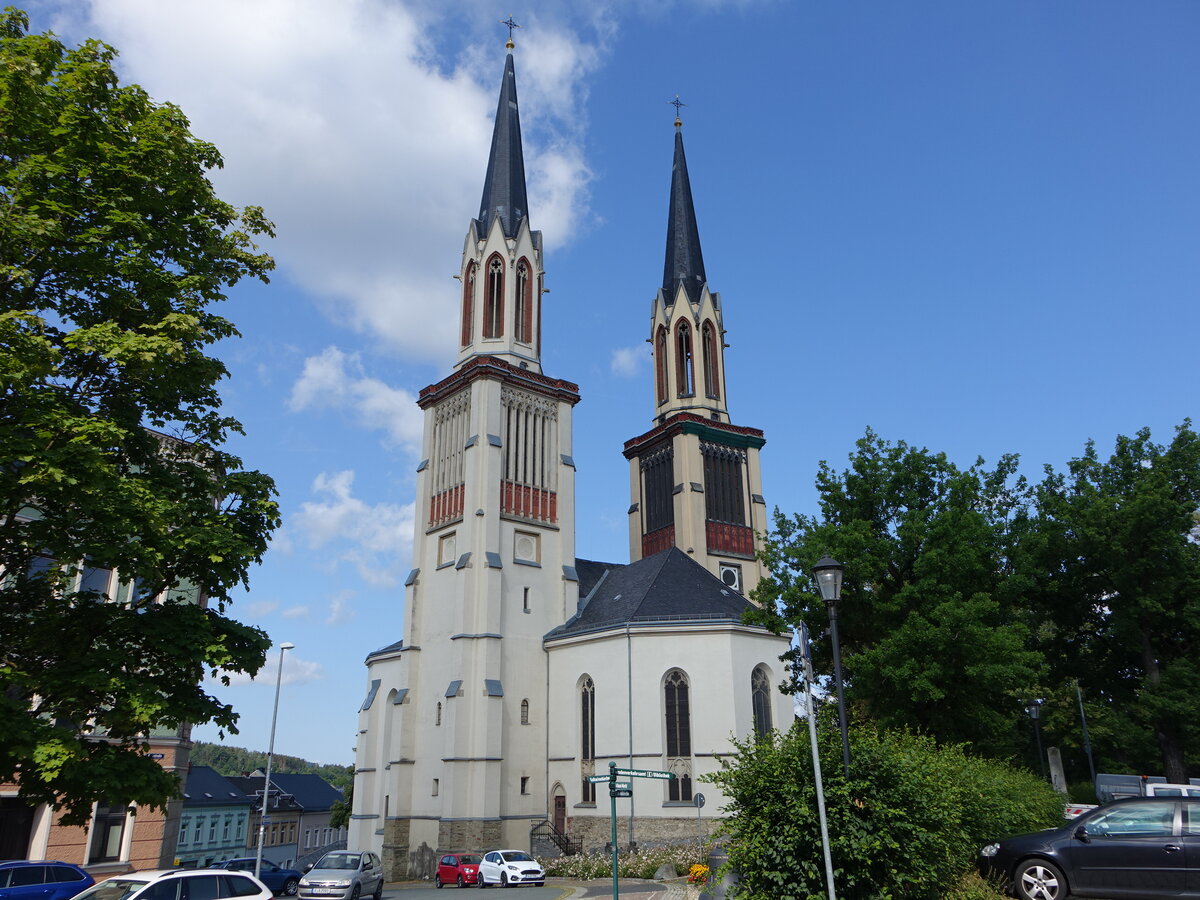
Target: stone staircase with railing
[(546, 840)]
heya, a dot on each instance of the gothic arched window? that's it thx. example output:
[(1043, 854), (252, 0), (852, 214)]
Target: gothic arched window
[(438, 716), (708, 341), (760, 701), (524, 321), (493, 306), (524, 712), (660, 363), (685, 373), (468, 305), (679, 735), (587, 736)]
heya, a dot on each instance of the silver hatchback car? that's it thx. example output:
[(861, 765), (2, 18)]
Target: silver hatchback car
[(343, 875)]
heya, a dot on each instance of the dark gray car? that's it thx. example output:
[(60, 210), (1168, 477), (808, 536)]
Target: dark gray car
[(343, 875), (1142, 847)]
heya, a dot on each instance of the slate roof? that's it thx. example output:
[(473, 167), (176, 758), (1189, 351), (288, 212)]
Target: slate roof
[(504, 187), (311, 791), (205, 786), (669, 586), (684, 262), (250, 785)]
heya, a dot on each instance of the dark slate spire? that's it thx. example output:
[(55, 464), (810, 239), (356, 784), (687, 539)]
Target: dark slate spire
[(685, 263), (504, 189)]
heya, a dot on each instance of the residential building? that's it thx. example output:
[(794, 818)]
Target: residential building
[(215, 820)]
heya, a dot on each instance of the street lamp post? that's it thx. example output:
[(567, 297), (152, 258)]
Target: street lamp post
[(262, 818), (828, 574)]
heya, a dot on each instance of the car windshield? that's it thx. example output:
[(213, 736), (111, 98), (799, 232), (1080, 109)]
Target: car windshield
[(338, 861), (113, 889), (517, 856), (468, 859)]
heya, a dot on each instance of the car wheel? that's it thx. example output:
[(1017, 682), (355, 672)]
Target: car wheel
[(461, 883), (355, 891), (437, 881), (378, 895), (290, 887), (1037, 879), (503, 879)]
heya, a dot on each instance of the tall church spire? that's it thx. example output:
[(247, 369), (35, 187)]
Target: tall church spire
[(684, 262), (504, 196)]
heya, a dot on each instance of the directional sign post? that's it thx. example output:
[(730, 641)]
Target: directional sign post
[(618, 789)]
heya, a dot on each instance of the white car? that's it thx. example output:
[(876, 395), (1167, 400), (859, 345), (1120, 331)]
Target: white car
[(505, 867), (179, 884)]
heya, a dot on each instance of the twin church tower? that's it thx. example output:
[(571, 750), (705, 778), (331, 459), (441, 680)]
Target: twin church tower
[(524, 669)]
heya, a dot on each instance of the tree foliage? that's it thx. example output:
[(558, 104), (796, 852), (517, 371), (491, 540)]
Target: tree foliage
[(113, 250), (226, 760), (1115, 571), (931, 629), (906, 826)]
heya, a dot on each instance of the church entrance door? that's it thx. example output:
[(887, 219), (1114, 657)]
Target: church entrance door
[(560, 813)]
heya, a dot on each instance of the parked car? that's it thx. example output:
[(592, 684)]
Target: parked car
[(343, 875), (278, 879), (457, 868), (1144, 847), (179, 884), (41, 879), (505, 867)]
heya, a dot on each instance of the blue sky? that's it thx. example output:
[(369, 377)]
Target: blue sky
[(971, 226)]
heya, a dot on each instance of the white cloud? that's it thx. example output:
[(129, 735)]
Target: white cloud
[(335, 380), (628, 362), (373, 539), (261, 608), (339, 610), (323, 114), (295, 671), (295, 612)]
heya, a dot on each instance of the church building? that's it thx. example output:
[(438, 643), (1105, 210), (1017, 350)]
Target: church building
[(521, 668)]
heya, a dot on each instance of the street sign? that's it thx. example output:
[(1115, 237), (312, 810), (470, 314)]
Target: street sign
[(645, 773), (597, 779), (622, 792), (698, 799)]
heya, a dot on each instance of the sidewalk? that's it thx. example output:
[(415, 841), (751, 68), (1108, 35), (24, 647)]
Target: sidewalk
[(599, 889)]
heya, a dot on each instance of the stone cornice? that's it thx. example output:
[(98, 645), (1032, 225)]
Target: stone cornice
[(707, 429), (494, 367)]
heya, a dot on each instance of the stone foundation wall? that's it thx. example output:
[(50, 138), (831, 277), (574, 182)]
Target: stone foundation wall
[(402, 861), (648, 831)]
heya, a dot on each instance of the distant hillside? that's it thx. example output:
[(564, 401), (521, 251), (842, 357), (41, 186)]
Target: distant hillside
[(238, 761)]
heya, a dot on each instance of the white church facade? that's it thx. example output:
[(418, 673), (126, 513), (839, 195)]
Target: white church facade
[(523, 669)]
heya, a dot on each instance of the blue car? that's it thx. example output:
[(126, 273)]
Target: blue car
[(278, 879), (41, 879)]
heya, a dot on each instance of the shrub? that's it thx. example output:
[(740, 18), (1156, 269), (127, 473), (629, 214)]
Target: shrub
[(640, 864), (906, 826)]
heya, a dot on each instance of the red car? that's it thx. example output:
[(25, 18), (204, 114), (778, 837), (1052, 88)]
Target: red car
[(457, 868)]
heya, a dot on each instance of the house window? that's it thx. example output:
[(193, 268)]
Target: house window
[(108, 832), (524, 784), (183, 830), (525, 600), (760, 701), (94, 579), (493, 310), (212, 830), (724, 474), (199, 826), (524, 318), (660, 364), (435, 787), (679, 736), (708, 339), (658, 477), (438, 717), (240, 826), (226, 827), (524, 712), (685, 373), (468, 305)]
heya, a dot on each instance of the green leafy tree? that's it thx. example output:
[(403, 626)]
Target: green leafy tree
[(1115, 565), (932, 633), (113, 250), (908, 824)]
